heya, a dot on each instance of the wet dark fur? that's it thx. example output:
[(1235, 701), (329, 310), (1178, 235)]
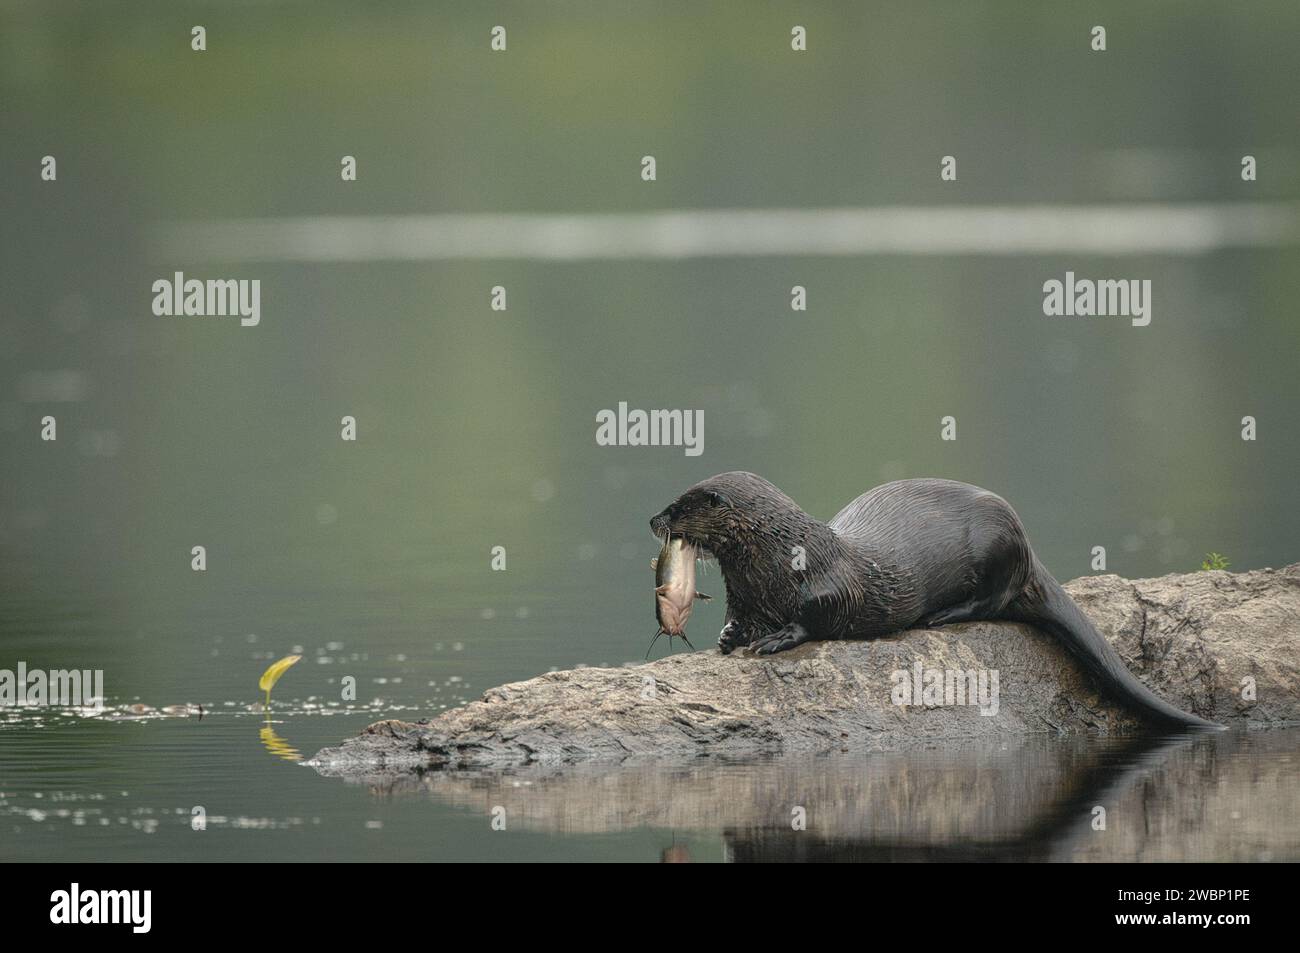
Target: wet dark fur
[(907, 554)]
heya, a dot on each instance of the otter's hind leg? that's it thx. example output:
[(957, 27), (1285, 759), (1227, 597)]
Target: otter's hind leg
[(1000, 567), (966, 611)]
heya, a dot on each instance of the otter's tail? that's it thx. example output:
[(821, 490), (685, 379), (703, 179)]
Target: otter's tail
[(1045, 604)]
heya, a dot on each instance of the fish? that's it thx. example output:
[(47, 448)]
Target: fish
[(675, 593)]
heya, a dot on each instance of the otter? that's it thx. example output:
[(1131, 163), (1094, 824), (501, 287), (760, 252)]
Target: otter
[(908, 554)]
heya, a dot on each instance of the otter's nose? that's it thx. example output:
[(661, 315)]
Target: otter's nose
[(659, 524)]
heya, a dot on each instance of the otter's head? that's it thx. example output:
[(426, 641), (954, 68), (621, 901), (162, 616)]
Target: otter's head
[(712, 513)]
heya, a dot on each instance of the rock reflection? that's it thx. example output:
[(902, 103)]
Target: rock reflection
[(1210, 797)]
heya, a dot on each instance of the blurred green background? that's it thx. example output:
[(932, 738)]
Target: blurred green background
[(477, 427)]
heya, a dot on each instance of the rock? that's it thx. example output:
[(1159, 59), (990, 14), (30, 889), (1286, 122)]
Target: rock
[(1195, 638)]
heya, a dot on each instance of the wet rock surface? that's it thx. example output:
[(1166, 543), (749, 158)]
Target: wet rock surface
[(1223, 645)]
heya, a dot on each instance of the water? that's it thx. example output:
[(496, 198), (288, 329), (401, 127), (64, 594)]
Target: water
[(476, 428), (89, 789)]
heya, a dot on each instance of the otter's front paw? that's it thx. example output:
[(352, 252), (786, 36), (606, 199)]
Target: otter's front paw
[(732, 637), (784, 638)]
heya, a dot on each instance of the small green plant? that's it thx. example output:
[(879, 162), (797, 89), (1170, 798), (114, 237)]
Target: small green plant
[(1215, 561)]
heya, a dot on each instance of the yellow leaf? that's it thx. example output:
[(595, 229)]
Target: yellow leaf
[(272, 674)]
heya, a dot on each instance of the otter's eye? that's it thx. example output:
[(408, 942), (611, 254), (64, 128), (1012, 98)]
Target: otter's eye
[(715, 499)]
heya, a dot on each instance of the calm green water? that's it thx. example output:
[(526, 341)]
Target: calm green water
[(476, 428), (128, 790)]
